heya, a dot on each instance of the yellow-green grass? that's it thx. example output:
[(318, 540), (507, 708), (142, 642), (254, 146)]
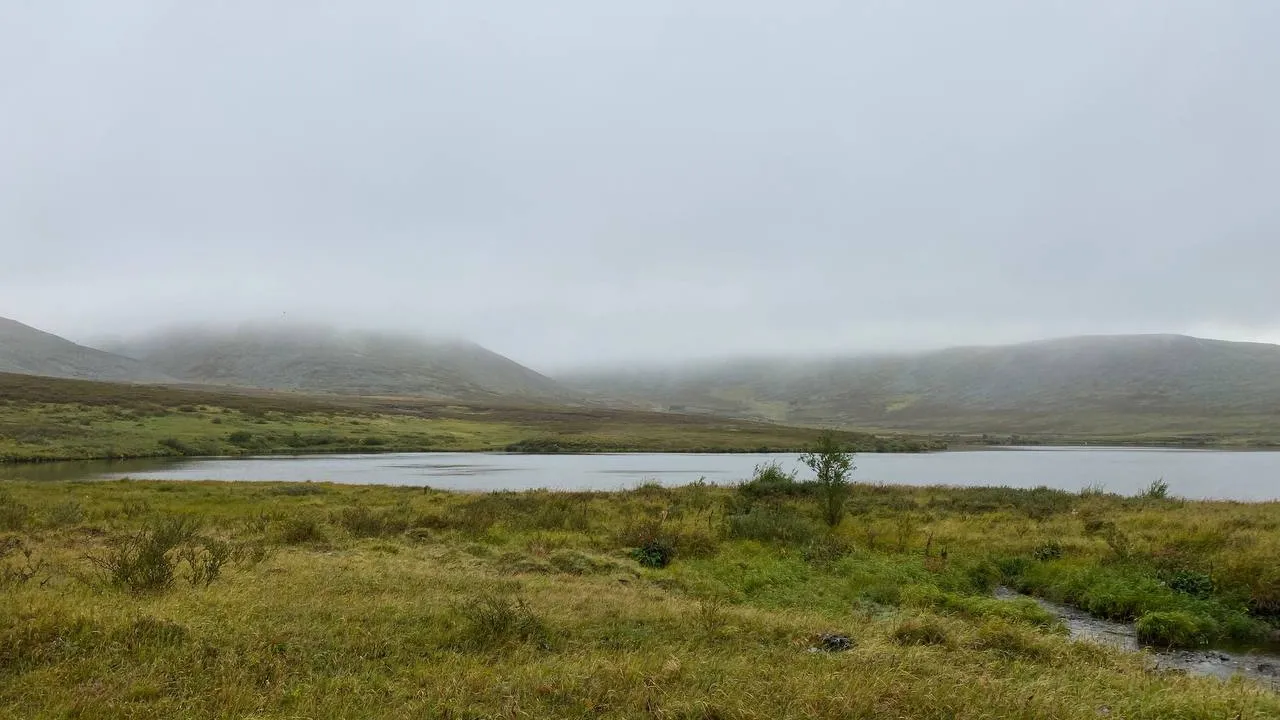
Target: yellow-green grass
[(396, 602), (53, 419)]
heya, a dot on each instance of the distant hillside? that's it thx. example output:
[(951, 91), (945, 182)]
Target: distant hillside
[(326, 360), (28, 351), (1087, 385)]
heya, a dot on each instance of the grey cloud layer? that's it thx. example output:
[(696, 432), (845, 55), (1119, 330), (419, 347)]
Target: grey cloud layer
[(570, 182)]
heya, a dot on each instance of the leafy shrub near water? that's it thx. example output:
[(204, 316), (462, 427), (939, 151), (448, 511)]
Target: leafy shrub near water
[(1175, 629), (1157, 490), (1190, 582)]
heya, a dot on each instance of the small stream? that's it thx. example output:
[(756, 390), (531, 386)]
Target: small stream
[(1262, 667)]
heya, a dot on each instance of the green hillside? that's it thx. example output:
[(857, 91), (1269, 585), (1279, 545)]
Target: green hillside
[(317, 359), (1087, 386), (29, 351)]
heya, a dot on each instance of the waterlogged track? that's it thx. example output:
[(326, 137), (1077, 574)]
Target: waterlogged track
[(1197, 474), (1262, 667)]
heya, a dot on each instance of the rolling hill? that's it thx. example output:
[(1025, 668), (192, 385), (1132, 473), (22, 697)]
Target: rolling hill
[(1098, 385), (28, 351), (317, 359)]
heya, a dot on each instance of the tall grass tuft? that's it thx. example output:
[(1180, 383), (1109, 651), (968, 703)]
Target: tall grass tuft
[(492, 620)]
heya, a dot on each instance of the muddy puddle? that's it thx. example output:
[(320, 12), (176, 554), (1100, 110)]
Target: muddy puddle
[(1263, 667)]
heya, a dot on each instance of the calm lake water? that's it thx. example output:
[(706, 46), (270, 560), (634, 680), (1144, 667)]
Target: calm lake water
[(1238, 475)]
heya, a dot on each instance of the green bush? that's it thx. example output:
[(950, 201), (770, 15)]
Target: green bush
[(1175, 629), (832, 463), (771, 481), (240, 437), (1157, 490), (1190, 582), (656, 553)]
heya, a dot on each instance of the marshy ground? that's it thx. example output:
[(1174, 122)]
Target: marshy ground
[(133, 599)]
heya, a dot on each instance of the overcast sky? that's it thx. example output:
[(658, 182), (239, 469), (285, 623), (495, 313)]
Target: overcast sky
[(573, 182)]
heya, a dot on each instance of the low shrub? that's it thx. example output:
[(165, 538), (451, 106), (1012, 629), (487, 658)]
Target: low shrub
[(771, 481), (242, 438), (13, 514), (1048, 550), (656, 553), (205, 561), (301, 530), (826, 550), (145, 561), (1157, 490), (360, 521), (18, 564), (1190, 582)]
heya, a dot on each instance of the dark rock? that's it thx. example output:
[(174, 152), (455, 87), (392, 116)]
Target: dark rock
[(832, 642), (1269, 668)]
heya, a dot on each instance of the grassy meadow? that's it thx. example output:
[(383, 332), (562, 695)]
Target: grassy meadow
[(55, 419), (151, 599)]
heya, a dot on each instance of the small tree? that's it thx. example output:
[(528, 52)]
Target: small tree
[(833, 464)]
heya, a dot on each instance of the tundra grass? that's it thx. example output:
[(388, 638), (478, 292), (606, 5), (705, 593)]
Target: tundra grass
[(54, 419), (154, 599)]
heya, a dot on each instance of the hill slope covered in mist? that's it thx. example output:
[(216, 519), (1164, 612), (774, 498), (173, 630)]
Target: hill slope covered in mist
[(1086, 385), (317, 359), (28, 351)]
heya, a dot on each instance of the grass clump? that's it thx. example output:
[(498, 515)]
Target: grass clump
[(921, 630), (493, 621)]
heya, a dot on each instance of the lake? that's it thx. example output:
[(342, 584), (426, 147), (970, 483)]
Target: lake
[(1224, 474)]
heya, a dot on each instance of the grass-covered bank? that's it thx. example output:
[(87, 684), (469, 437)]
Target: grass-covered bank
[(132, 599), (54, 419)]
